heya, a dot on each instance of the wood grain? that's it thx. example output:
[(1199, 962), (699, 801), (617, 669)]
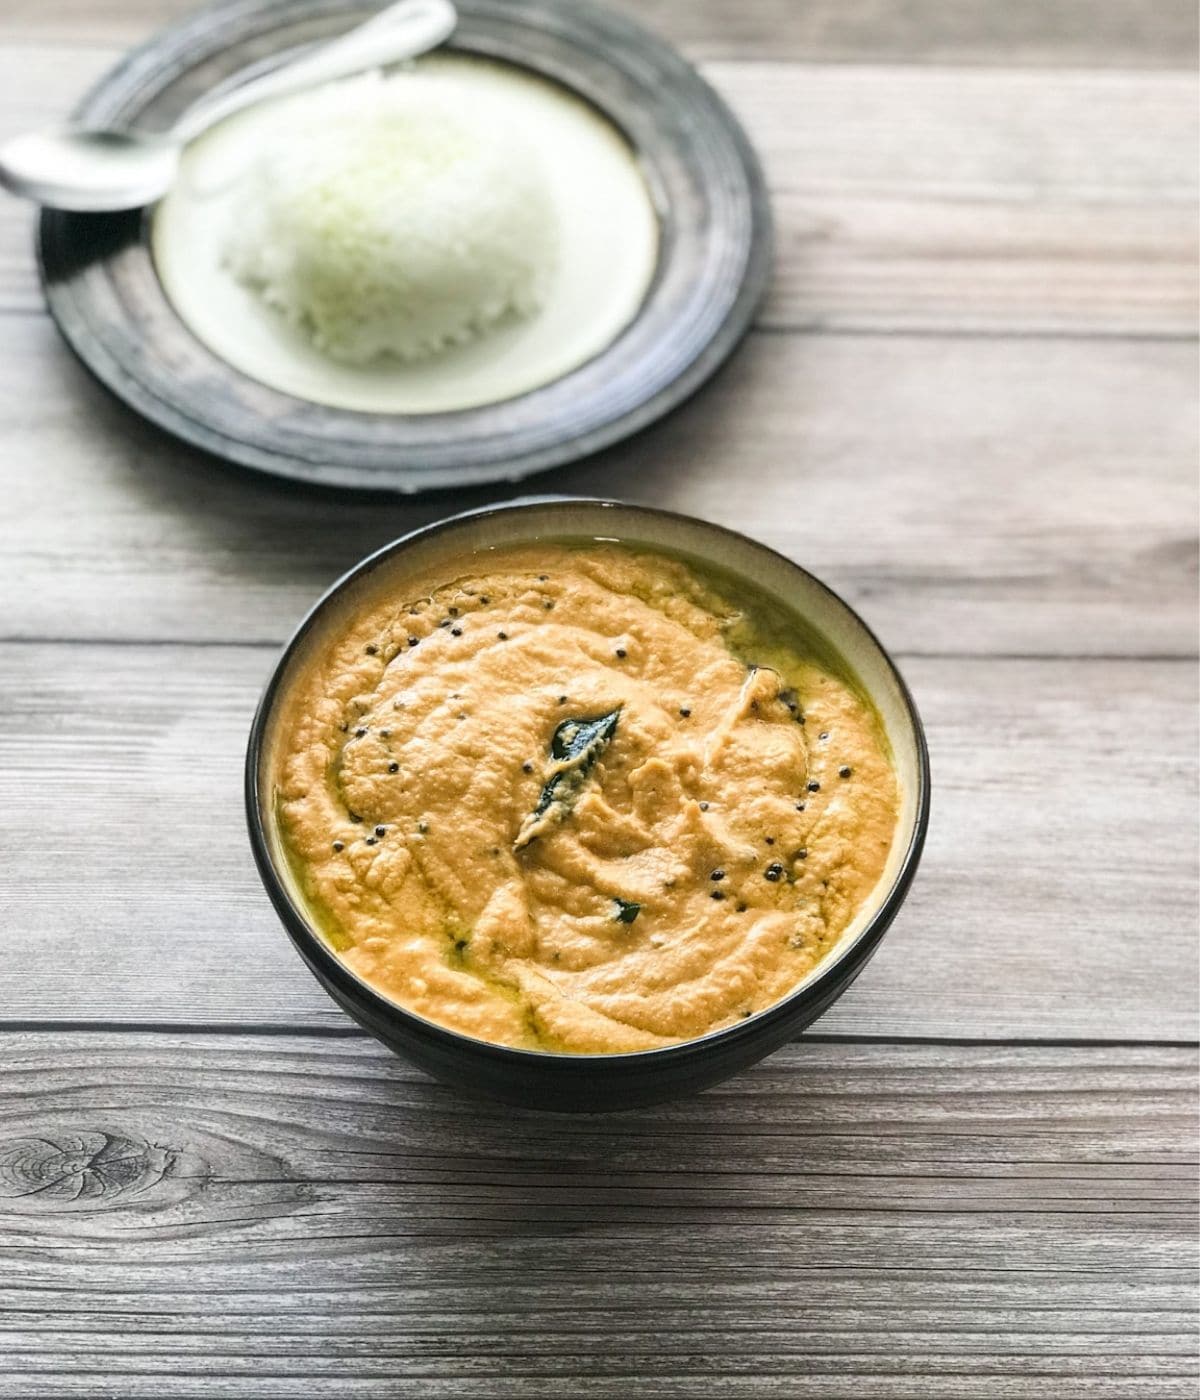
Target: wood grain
[(932, 200), (1073, 33), (967, 201), (1056, 898), (313, 1217), (968, 496)]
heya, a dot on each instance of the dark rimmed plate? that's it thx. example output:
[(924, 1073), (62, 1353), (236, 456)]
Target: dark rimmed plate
[(714, 258)]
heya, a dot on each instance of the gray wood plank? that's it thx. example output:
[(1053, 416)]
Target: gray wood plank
[(296, 1217), (968, 201), (906, 199), (1072, 33), (1057, 898), (966, 495)]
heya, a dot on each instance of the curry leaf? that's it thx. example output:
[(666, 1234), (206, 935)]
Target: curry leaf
[(574, 749)]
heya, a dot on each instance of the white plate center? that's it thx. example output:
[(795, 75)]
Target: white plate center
[(607, 239)]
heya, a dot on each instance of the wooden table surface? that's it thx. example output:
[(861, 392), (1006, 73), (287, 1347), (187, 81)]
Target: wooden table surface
[(969, 404)]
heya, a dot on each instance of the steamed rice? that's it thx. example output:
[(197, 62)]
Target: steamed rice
[(388, 219)]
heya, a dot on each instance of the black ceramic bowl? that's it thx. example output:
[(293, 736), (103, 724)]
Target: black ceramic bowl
[(541, 1079)]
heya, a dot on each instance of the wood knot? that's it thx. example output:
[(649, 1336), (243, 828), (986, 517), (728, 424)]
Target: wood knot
[(101, 1168)]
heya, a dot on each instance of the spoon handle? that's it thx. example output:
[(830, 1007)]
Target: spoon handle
[(403, 30)]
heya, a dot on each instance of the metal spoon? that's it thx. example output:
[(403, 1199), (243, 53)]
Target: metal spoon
[(71, 168)]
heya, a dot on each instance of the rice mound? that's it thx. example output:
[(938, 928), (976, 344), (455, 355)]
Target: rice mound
[(389, 220)]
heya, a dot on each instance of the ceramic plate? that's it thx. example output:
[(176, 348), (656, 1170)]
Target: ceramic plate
[(713, 257)]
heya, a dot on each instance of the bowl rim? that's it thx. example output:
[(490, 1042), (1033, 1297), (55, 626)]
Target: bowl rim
[(319, 955)]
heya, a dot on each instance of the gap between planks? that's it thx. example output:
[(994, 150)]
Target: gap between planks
[(351, 1031), (900, 653), (33, 311)]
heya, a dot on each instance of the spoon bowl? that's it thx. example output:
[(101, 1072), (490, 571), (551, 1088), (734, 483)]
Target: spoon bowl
[(104, 171), (100, 171)]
